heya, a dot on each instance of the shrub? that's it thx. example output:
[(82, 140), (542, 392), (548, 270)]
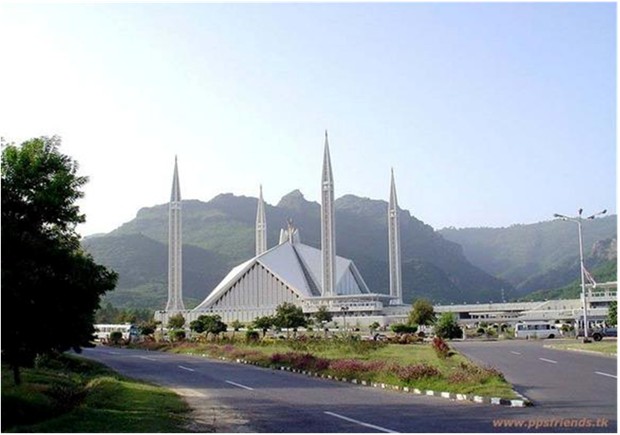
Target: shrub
[(116, 337), (177, 335), (353, 368), (469, 373), (251, 336), (441, 348), (415, 371), (446, 327), (300, 361)]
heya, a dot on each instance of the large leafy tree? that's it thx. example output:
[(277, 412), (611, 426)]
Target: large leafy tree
[(209, 323), (289, 316), (422, 313), (263, 323), (53, 285)]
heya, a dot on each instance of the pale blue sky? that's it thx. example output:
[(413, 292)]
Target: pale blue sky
[(490, 113)]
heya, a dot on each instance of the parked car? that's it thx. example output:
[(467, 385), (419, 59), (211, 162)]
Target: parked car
[(604, 332)]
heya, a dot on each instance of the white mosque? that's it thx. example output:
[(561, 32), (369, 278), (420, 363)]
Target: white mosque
[(312, 278), (291, 271)]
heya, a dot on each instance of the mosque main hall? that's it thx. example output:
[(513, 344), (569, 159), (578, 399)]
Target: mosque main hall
[(291, 271)]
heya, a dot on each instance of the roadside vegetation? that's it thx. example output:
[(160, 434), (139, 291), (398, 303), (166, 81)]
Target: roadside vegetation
[(423, 365), (606, 347), (71, 394)]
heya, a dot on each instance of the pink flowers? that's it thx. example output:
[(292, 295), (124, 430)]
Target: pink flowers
[(414, 372), (356, 369)]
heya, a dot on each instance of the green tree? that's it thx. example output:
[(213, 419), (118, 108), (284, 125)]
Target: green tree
[(208, 323), (147, 327), (176, 321), (323, 315), (447, 327), (422, 313), (235, 325), (263, 323), (46, 276), (612, 315), (289, 316)]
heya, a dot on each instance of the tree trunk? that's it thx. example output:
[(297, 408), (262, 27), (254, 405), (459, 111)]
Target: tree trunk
[(17, 376)]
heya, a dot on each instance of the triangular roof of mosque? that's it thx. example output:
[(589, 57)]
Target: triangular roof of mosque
[(299, 267)]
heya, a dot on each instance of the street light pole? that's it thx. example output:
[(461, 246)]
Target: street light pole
[(584, 298)]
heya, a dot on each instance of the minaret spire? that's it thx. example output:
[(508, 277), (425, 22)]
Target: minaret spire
[(396, 288), (175, 265), (261, 225), (328, 239)]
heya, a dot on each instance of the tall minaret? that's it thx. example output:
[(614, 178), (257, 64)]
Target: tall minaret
[(175, 265), (396, 286), (328, 235), (261, 225)]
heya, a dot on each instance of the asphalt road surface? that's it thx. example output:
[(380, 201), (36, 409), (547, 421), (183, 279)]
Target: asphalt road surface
[(230, 397), (562, 383)]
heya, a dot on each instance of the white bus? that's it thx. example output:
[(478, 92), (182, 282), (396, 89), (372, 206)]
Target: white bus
[(102, 331), (536, 330)]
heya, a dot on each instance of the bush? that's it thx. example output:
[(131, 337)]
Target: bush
[(353, 368), (116, 337), (300, 361), (446, 327), (441, 348), (415, 371), (469, 373), (251, 336), (177, 335)]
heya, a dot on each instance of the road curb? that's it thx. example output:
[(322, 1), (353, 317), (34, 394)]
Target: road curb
[(522, 402)]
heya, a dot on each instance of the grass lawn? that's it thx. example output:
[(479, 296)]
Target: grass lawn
[(451, 368), (607, 347), (77, 395)]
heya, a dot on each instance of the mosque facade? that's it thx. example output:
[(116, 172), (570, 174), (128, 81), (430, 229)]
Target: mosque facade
[(291, 271)]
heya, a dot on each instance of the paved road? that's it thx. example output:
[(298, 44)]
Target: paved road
[(240, 398), (562, 383)]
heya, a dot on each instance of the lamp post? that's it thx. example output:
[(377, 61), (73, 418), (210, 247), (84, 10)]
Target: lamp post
[(584, 300)]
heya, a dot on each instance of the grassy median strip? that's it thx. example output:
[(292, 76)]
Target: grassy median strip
[(71, 394), (603, 347), (412, 365)]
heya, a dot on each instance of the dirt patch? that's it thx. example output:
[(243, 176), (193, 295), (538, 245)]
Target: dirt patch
[(208, 415)]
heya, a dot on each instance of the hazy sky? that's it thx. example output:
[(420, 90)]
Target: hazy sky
[(490, 113)]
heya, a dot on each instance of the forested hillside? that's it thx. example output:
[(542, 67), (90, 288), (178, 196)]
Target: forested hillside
[(219, 234), (537, 256)]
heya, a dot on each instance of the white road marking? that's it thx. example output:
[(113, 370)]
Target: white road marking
[(239, 385), (548, 360), (516, 353), (147, 358), (361, 423), (186, 368), (112, 352), (606, 374)]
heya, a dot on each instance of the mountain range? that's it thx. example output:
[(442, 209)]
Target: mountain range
[(541, 256), (219, 234), (446, 266)]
